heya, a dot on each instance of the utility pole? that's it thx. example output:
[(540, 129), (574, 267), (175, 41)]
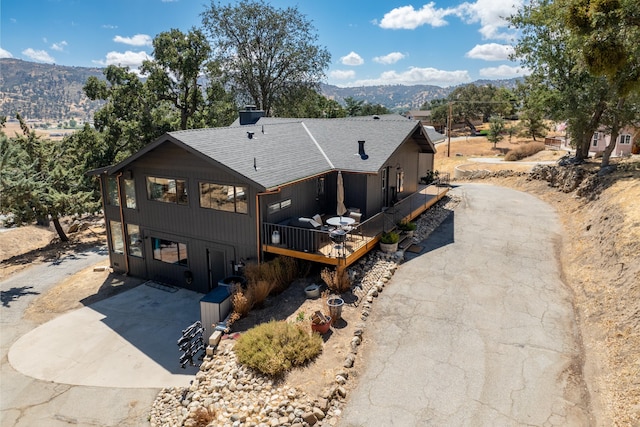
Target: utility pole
[(449, 132)]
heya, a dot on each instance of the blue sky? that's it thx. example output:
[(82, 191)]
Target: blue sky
[(443, 43)]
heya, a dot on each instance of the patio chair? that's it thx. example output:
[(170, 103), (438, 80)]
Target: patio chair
[(355, 227)]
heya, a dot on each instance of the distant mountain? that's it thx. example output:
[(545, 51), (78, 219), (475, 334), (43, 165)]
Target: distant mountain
[(54, 92), (45, 91), (401, 98)]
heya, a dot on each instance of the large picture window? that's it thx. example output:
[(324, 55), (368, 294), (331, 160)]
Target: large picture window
[(135, 240), (169, 251), (117, 244), (167, 190), (113, 197), (228, 198)]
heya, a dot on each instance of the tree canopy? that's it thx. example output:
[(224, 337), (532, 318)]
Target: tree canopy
[(574, 84), (42, 180), (265, 53)]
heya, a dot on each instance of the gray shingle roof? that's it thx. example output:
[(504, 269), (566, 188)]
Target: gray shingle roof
[(288, 150)]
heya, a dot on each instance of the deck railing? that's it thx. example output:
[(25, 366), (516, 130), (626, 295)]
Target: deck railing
[(315, 241)]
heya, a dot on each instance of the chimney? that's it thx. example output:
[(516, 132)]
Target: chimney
[(250, 115)]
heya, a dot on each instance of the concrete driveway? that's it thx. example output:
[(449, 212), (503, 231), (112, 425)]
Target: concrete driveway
[(126, 341), (478, 329), (125, 331)]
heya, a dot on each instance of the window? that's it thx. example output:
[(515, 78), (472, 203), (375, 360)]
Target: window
[(384, 179), (596, 136), (135, 240), (228, 198), (167, 190), (275, 207), (169, 252), (117, 245), (320, 185), (130, 193), (400, 181), (113, 198), (625, 139)]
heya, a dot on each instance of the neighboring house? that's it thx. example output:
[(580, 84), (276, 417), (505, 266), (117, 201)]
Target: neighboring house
[(624, 143), (191, 207)]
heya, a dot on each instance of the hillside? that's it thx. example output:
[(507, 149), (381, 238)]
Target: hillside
[(45, 91), (401, 98), (54, 92)]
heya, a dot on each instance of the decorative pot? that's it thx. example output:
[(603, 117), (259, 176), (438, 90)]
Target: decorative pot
[(312, 291), (335, 308), (389, 247), (321, 328)]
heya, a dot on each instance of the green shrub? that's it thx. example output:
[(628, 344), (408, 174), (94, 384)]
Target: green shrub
[(390, 237), (524, 150), (430, 177), (405, 225), (275, 347)]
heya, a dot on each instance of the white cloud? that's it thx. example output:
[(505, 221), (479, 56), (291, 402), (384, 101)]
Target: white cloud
[(137, 40), (352, 59), (491, 15), (408, 18), (5, 53), (109, 26), (490, 52), (38, 55), (59, 46), (391, 58), (342, 74), (133, 60), (416, 76), (503, 72)]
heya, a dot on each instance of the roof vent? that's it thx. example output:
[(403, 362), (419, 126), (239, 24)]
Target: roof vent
[(250, 135), (361, 153)]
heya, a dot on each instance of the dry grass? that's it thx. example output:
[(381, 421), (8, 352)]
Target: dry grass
[(524, 150), (202, 417), (279, 273)]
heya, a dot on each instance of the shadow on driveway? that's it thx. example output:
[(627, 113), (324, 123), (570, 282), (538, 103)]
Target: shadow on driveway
[(127, 341)]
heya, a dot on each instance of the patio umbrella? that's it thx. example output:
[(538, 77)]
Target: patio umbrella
[(341, 209)]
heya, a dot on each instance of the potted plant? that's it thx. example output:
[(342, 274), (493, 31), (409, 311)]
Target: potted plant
[(320, 322), (389, 241), (407, 227)]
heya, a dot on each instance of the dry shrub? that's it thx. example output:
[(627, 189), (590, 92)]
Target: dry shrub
[(279, 273), (524, 150), (203, 417), (337, 282), (259, 291), (275, 347), (241, 302)]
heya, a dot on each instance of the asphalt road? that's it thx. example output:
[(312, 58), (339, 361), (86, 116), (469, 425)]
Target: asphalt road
[(477, 330)]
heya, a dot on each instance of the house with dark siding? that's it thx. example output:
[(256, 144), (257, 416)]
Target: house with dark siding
[(193, 206)]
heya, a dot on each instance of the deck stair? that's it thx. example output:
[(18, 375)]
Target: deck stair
[(405, 241)]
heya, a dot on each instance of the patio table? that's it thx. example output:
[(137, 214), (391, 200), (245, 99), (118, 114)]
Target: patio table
[(340, 221)]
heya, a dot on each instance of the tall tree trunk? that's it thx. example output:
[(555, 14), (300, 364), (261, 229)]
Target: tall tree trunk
[(582, 146), (615, 131), (61, 233)]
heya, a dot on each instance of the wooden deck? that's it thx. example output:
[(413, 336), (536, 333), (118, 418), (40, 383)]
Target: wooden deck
[(316, 246)]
